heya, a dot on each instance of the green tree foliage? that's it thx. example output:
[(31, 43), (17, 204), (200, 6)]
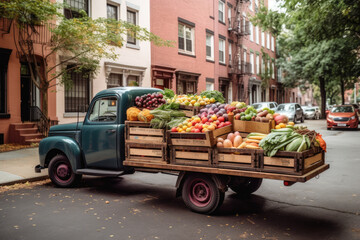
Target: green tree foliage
[(80, 42), (317, 42)]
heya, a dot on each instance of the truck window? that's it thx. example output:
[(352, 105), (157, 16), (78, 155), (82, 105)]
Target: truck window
[(104, 110)]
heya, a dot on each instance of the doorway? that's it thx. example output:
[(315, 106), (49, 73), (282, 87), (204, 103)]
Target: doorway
[(30, 94)]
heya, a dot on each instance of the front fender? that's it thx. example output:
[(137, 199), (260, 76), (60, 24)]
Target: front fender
[(66, 145)]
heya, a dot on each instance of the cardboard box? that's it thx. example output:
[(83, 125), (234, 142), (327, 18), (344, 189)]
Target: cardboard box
[(252, 126)]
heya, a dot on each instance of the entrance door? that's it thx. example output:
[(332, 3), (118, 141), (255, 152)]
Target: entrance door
[(162, 83), (100, 134), (25, 98)]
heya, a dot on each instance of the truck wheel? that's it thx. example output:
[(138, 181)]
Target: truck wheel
[(60, 172), (201, 194), (302, 118), (245, 185)]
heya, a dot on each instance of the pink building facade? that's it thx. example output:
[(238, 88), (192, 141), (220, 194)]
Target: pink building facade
[(215, 48)]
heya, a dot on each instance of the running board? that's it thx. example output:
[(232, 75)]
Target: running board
[(99, 172)]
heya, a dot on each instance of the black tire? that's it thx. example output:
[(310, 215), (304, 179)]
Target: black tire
[(245, 185), (201, 194), (302, 118), (61, 174), (328, 128), (295, 118)]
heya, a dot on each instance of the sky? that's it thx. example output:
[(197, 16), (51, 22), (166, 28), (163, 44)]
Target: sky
[(273, 5)]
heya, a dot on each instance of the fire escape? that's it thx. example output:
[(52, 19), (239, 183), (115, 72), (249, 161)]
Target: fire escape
[(239, 27)]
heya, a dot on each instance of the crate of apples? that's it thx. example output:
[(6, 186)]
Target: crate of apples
[(198, 124)]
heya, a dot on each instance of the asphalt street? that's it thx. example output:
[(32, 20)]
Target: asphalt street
[(143, 206)]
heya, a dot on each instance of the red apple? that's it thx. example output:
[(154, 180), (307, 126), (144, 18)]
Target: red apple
[(221, 119), (204, 120), (173, 129), (227, 123)]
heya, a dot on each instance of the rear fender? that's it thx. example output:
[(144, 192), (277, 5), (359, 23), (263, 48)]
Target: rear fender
[(51, 146)]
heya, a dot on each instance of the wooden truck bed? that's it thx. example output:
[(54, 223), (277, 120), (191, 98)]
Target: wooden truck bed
[(230, 172), (154, 149)]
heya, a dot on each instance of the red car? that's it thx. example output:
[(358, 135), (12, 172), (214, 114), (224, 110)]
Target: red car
[(343, 116)]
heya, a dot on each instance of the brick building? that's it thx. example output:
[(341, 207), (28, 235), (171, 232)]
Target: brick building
[(216, 47)]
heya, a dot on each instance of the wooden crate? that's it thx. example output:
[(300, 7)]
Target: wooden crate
[(190, 110), (252, 126), (141, 132), (295, 163), (235, 158), (191, 156), (146, 152), (206, 139)]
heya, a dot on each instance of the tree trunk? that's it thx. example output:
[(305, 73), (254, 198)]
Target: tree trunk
[(44, 101), (323, 97), (342, 86)]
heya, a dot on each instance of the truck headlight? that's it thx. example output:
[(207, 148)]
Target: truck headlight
[(353, 117)]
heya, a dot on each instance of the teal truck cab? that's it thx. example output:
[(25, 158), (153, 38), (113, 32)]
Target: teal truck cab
[(97, 147)]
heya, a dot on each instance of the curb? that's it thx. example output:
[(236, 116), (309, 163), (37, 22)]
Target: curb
[(34, 179)]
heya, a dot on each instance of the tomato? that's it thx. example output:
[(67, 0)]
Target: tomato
[(174, 129)]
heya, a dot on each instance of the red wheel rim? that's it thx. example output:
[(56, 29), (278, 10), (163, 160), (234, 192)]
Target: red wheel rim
[(199, 193), (62, 172)]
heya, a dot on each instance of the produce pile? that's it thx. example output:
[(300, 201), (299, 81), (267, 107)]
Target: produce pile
[(293, 139), (234, 140), (150, 101), (206, 97), (196, 124)]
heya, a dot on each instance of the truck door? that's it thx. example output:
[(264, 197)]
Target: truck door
[(100, 133)]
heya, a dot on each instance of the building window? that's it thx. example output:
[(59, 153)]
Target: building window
[(251, 32), (230, 54), (252, 63), (74, 7), (272, 44), (221, 50), (112, 11), (209, 46), (262, 39), (273, 70), (209, 84), (186, 84), (131, 18), (263, 65), (257, 35), (257, 64), (244, 57), (132, 80), (251, 5), (229, 16), (221, 11), (186, 39), (114, 80), (268, 41), (4, 60), (77, 97)]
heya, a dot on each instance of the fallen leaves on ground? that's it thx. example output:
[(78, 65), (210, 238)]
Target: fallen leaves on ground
[(27, 185), (13, 146)]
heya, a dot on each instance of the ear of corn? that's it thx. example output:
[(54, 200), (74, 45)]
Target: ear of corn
[(294, 145)]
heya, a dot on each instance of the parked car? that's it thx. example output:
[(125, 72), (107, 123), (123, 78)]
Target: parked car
[(312, 112), (292, 110), (342, 116), (261, 105)]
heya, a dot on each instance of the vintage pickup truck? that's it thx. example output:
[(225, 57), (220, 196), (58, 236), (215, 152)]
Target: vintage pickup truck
[(97, 147)]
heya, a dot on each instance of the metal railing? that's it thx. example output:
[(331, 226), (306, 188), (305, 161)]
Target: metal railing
[(239, 26), (240, 68), (39, 34), (43, 122)]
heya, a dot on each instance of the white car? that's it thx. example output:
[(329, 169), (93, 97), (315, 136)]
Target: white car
[(261, 105), (312, 113)]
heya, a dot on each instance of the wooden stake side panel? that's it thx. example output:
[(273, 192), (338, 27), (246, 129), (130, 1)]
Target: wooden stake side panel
[(245, 159), (146, 152), (191, 156), (297, 163), (252, 126), (206, 139), (140, 132)]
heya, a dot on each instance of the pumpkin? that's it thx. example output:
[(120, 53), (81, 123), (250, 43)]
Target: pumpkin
[(145, 116), (132, 114)]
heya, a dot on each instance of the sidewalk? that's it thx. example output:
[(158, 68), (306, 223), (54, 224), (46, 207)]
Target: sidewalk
[(18, 166)]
